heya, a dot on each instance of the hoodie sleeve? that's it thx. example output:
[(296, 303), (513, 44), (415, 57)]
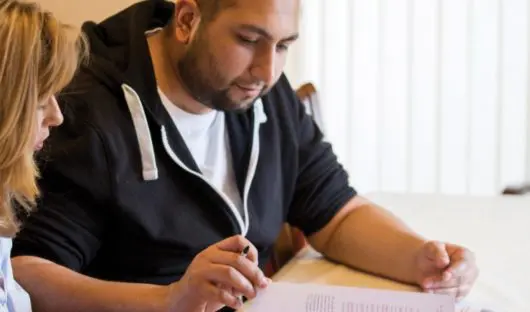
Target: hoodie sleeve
[(322, 186), (71, 217)]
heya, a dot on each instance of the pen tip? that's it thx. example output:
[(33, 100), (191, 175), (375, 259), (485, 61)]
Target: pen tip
[(246, 249)]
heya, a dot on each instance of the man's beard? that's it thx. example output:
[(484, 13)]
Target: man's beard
[(200, 83)]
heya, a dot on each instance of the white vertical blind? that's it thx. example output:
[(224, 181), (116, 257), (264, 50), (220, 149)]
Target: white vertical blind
[(365, 88), (425, 96), (454, 96), (514, 121), (421, 95), (394, 94)]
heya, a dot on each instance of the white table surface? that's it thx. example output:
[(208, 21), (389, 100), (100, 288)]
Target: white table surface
[(496, 229)]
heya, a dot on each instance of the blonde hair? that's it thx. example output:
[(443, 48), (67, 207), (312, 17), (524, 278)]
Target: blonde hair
[(38, 57)]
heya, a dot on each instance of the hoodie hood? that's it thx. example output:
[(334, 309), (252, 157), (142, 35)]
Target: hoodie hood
[(120, 54)]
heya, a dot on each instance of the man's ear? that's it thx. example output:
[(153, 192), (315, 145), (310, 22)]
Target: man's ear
[(186, 20)]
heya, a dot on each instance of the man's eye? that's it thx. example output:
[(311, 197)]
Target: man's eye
[(247, 40), (282, 47)]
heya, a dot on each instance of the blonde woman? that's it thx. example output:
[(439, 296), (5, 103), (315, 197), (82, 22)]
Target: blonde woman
[(38, 56)]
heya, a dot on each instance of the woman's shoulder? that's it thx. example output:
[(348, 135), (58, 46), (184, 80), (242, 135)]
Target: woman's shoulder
[(5, 247), (5, 251), (12, 296)]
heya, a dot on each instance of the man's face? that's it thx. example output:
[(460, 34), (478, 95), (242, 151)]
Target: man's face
[(239, 55)]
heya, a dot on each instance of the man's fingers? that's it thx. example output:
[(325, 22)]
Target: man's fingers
[(237, 244), (214, 306), (455, 281), (219, 297), (243, 265), (234, 244), (443, 280), (221, 275), (438, 283), (459, 286), (253, 254), (231, 278), (437, 253), (452, 283), (460, 271), (431, 281), (460, 262), (456, 271), (463, 291)]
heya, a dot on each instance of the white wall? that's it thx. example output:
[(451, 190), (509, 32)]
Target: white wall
[(421, 95), (77, 11)]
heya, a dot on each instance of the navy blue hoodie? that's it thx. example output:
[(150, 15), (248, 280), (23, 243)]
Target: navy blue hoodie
[(122, 198)]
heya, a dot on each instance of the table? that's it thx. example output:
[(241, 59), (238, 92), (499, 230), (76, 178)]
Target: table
[(495, 228)]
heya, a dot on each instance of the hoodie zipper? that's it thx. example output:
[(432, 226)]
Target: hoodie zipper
[(228, 202), (254, 156), (259, 118)]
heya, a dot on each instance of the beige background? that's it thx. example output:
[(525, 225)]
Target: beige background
[(77, 11)]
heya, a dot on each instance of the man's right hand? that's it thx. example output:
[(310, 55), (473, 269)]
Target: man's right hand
[(218, 276)]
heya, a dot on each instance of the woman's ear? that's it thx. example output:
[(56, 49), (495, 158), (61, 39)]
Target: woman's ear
[(186, 20)]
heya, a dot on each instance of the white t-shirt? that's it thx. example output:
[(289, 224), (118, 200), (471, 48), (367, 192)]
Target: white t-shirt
[(207, 139), (12, 297)]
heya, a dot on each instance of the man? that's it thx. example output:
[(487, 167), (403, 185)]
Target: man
[(182, 144)]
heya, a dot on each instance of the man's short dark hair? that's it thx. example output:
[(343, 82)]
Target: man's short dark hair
[(210, 8)]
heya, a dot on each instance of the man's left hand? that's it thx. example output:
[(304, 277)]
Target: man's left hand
[(446, 269)]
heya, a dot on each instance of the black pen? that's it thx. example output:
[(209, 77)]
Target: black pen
[(245, 251)]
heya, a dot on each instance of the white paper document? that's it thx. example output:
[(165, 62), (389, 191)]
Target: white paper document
[(289, 297)]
